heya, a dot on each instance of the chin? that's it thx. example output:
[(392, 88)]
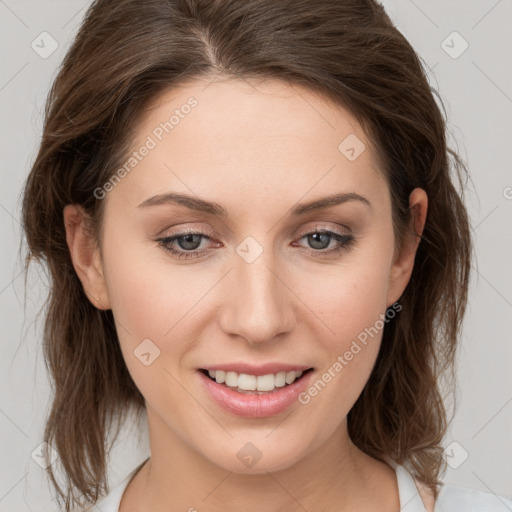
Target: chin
[(258, 457)]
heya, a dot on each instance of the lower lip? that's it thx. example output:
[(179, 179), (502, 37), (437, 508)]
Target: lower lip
[(255, 405)]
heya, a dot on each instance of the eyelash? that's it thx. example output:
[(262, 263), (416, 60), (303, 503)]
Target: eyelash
[(345, 242)]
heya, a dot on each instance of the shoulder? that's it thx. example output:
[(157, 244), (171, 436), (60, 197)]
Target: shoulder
[(453, 498)]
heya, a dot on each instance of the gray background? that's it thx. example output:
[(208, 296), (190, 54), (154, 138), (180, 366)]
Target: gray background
[(477, 90)]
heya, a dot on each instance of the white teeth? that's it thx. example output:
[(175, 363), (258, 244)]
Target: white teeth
[(265, 382), (280, 379), (290, 377), (231, 379), (246, 382)]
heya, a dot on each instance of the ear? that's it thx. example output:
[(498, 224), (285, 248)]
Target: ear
[(404, 260), (85, 256)]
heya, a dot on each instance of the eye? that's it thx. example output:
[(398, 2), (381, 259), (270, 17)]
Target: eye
[(320, 239), (187, 244)]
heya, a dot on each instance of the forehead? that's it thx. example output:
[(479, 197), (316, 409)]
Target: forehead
[(247, 109), (248, 137)]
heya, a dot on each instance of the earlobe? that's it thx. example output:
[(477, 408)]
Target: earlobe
[(85, 256), (403, 263)]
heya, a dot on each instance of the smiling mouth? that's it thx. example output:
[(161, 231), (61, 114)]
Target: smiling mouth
[(255, 384)]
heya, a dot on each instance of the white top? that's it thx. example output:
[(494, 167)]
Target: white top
[(451, 498)]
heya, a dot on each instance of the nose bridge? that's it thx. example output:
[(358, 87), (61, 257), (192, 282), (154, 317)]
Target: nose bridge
[(257, 306)]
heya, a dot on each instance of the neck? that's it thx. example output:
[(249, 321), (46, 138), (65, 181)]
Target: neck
[(334, 476)]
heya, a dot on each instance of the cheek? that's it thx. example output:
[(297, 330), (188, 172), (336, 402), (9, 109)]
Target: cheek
[(348, 299), (154, 322), (145, 303), (153, 299), (147, 294)]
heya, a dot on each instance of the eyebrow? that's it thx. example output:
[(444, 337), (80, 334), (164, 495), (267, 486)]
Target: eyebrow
[(200, 205)]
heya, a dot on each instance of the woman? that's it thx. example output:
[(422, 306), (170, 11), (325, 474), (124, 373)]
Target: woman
[(247, 211)]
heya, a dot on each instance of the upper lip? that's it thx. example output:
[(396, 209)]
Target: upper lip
[(252, 369)]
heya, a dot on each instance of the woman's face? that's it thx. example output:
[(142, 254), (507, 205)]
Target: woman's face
[(253, 290)]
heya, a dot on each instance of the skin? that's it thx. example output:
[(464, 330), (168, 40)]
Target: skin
[(257, 150)]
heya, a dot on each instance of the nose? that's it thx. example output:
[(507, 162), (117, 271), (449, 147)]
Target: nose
[(258, 305)]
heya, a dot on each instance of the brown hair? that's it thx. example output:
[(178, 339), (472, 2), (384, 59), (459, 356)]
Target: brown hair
[(125, 54)]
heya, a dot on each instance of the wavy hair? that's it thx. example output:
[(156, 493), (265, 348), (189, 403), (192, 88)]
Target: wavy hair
[(125, 54)]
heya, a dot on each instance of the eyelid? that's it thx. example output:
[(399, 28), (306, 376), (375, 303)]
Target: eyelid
[(208, 232), (318, 227)]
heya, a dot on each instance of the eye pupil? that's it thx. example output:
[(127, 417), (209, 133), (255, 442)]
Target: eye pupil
[(193, 239), (319, 240)]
